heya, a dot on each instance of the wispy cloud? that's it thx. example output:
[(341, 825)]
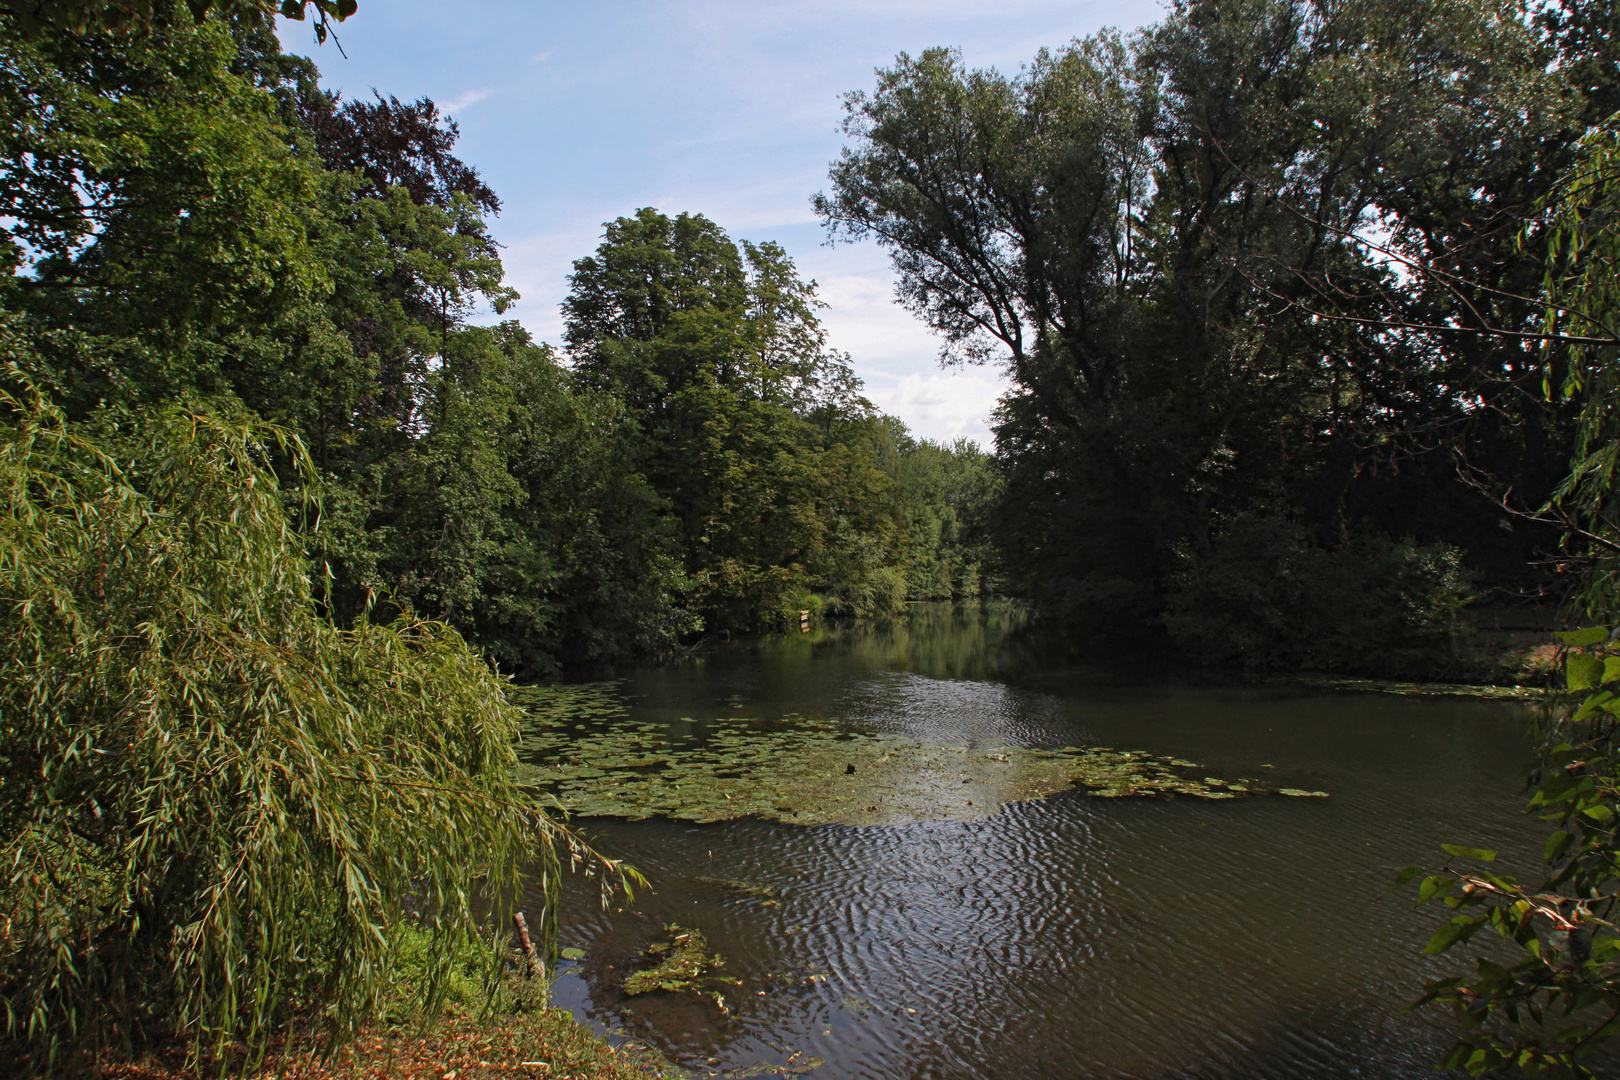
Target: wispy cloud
[(462, 101), (541, 57)]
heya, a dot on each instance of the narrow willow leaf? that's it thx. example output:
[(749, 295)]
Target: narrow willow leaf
[(1481, 854)]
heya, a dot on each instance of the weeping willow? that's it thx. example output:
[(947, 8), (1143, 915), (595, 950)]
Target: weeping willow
[(217, 808), (1583, 288), (1554, 1008)]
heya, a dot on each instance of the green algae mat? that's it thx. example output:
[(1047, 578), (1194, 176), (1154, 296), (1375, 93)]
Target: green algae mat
[(584, 748), (681, 963)]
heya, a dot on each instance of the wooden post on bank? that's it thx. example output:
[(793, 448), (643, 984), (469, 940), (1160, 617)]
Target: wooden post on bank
[(534, 965), (804, 622)]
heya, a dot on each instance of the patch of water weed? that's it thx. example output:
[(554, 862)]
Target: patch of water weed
[(1411, 689), (765, 894), (598, 761), (790, 1067), (565, 702), (684, 964)]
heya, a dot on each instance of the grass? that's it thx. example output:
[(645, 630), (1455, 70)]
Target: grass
[(521, 1036), (528, 1041)]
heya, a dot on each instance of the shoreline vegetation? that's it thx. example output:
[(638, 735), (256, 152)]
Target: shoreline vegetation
[(1307, 351), (507, 1029), (543, 1044)]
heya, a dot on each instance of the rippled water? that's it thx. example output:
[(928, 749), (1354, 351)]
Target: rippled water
[(1073, 937)]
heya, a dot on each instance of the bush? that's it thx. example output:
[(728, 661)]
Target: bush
[(215, 806), (1265, 596)]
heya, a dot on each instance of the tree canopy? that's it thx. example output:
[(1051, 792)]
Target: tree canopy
[(1192, 251)]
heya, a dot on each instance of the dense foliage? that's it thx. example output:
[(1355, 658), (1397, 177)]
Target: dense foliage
[(1193, 252), (268, 478), (1557, 1003), (949, 490), (216, 806), (192, 214), (745, 423)]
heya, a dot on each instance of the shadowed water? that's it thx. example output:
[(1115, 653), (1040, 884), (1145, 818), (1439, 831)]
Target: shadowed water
[(1074, 937)]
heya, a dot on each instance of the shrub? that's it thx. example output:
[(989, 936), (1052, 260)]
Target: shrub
[(1266, 596)]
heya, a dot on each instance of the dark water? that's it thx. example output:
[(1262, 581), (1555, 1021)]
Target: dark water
[(1075, 937)]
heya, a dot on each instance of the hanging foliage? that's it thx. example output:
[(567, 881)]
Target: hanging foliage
[(1556, 1004), (216, 806)]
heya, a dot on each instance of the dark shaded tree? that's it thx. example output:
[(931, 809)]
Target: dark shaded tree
[(1167, 241)]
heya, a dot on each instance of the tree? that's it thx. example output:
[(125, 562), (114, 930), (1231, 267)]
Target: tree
[(217, 805), (155, 206), (519, 517), (37, 18), (948, 489), (1162, 239), (739, 411), (395, 145)]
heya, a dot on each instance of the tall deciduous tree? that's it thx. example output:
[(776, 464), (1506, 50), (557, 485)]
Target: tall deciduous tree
[(1166, 242), (739, 406)]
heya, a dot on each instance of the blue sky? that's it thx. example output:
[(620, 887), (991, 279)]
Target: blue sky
[(578, 113)]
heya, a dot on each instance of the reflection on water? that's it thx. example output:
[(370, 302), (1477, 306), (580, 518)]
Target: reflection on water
[(1071, 937)]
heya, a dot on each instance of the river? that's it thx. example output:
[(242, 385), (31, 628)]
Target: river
[(1073, 936)]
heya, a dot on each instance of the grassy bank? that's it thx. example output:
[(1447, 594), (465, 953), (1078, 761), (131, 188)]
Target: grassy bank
[(518, 1040)]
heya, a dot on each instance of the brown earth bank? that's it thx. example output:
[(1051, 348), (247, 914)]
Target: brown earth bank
[(1512, 644), (535, 1044)]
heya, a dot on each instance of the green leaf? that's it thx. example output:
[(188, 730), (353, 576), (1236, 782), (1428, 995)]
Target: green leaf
[(1557, 844), (1582, 671), (1591, 635), (1406, 874), (1482, 854), (1455, 1056), (1449, 933), (1434, 885)]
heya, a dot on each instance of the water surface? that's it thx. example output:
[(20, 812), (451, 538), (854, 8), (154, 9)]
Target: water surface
[(1074, 937)]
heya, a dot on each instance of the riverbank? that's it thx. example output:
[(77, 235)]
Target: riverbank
[(518, 1043)]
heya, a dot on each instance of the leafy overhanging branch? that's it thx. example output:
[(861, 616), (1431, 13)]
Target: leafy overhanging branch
[(36, 18), (217, 807)]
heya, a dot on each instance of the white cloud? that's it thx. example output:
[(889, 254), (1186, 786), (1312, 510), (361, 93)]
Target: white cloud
[(896, 354), (541, 57), (462, 101), (942, 405)]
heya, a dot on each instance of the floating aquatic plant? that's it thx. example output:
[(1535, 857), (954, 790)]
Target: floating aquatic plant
[(685, 964), (765, 1068), (771, 897), (597, 760)]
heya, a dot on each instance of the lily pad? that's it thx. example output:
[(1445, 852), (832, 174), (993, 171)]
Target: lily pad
[(596, 760)]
